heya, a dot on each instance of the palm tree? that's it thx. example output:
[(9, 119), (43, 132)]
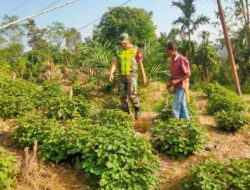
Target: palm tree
[(187, 20)]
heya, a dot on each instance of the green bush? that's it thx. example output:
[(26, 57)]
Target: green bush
[(211, 174), (115, 118), (33, 63), (57, 143), (56, 103), (65, 144), (231, 121), (177, 138), (63, 108), (119, 159), (111, 158), (226, 103), (17, 97), (8, 170), (212, 89), (34, 128)]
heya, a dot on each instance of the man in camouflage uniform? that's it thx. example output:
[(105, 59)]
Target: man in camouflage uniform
[(128, 60)]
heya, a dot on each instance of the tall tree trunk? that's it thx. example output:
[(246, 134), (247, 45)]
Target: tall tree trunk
[(229, 49), (243, 11), (248, 16)]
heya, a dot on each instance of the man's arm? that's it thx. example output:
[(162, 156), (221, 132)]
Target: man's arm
[(184, 77), (113, 67), (141, 67)]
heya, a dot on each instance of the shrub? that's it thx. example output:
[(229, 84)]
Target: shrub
[(57, 104), (34, 128), (63, 108), (211, 174), (213, 89), (8, 170), (226, 103), (119, 159), (112, 158), (16, 98), (177, 138), (231, 121), (115, 118), (65, 144), (57, 143)]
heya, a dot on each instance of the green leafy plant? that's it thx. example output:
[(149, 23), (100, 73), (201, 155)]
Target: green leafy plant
[(65, 144), (115, 118), (177, 138), (57, 104), (34, 128), (119, 159), (227, 103), (212, 89), (8, 170), (111, 158), (231, 120), (211, 174), (57, 142), (16, 97)]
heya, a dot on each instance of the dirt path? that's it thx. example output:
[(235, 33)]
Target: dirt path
[(35, 175)]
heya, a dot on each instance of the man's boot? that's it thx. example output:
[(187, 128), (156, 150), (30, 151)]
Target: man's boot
[(137, 112)]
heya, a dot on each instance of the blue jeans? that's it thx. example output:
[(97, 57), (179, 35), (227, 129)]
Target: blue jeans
[(179, 107)]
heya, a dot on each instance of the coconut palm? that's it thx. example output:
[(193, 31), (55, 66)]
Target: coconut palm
[(189, 23)]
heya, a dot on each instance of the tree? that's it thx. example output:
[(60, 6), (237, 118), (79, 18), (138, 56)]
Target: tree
[(136, 22), (208, 59), (189, 23), (36, 37), (55, 34), (11, 55), (12, 34), (73, 38), (172, 35)]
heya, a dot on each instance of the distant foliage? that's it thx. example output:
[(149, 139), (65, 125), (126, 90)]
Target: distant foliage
[(33, 64), (211, 174), (8, 170), (177, 138), (136, 22), (154, 61)]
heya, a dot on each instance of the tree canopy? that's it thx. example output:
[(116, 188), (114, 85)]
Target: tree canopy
[(136, 22)]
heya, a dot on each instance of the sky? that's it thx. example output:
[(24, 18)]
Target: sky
[(83, 12)]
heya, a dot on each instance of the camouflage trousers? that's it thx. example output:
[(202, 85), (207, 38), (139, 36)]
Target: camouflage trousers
[(127, 88)]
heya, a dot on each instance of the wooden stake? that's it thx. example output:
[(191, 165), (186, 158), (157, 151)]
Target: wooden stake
[(229, 49)]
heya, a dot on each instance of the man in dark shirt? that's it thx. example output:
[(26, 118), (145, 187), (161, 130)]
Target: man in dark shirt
[(180, 73)]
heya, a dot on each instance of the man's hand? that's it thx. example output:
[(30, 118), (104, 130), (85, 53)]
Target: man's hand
[(111, 77), (174, 82), (169, 86)]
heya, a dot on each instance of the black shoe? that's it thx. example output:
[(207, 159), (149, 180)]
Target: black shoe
[(137, 113), (126, 110)]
